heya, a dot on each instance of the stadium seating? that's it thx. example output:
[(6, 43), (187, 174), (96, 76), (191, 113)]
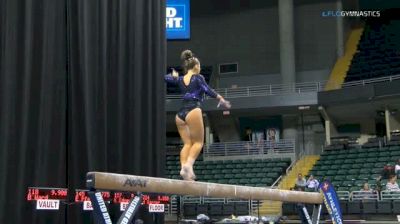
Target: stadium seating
[(349, 169), (378, 52), (256, 172)]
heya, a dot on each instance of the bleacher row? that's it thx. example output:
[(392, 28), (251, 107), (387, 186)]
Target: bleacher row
[(215, 209), (378, 52), (385, 202), (349, 169), (250, 172), (353, 207)]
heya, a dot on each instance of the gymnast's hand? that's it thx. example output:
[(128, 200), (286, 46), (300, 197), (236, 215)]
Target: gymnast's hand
[(224, 103), (175, 73)]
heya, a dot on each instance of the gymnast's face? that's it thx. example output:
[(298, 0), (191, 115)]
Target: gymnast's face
[(197, 68)]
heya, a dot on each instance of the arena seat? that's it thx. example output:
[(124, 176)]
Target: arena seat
[(228, 209), (288, 209), (202, 209), (344, 206), (365, 165), (189, 210), (241, 208), (369, 207), (358, 165), (354, 207), (384, 207), (215, 209), (396, 206)]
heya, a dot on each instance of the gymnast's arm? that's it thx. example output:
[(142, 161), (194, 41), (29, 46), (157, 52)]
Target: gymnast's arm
[(209, 91), (172, 78)]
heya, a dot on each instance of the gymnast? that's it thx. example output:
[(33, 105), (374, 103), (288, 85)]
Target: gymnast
[(189, 119)]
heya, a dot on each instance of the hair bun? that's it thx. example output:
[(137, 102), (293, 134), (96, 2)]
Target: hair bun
[(186, 54)]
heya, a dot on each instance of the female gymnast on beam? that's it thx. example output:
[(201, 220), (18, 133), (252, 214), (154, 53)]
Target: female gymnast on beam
[(189, 119)]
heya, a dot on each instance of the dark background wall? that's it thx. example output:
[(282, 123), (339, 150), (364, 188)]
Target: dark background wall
[(315, 36), (33, 89), (77, 81), (247, 32), (220, 36)]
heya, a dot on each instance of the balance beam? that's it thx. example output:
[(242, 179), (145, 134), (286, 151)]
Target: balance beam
[(131, 183)]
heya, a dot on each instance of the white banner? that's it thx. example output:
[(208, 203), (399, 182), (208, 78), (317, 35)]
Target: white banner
[(87, 206), (156, 207), (47, 204), (123, 205)]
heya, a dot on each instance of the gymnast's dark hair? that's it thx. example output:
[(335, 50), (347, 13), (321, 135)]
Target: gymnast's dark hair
[(188, 60)]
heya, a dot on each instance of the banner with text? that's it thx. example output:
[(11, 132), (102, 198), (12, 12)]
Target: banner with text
[(331, 202), (178, 19)]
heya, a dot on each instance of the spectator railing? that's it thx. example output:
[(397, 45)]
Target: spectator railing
[(202, 200), (214, 200), (364, 195), (285, 89), (275, 184), (172, 207), (371, 81), (191, 199), (265, 90), (235, 200), (257, 206), (390, 195), (343, 195), (273, 149)]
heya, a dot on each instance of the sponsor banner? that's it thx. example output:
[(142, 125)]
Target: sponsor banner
[(331, 202), (178, 19), (47, 204), (100, 208), (130, 210)]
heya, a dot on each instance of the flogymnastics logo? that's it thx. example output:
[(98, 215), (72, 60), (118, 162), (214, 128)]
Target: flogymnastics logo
[(178, 19), (354, 13)]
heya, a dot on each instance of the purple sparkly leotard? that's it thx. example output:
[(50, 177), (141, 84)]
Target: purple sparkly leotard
[(193, 94)]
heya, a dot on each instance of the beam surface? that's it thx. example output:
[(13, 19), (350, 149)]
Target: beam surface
[(131, 183)]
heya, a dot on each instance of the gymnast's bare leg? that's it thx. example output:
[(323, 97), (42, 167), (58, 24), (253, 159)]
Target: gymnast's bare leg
[(183, 130), (194, 120)]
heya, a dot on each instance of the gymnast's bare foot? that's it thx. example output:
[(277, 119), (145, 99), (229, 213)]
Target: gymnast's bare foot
[(191, 174), (185, 172)]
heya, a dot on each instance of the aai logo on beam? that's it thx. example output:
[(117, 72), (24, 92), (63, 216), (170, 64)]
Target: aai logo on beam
[(178, 19)]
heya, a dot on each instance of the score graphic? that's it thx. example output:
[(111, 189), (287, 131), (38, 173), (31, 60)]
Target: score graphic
[(155, 199), (82, 195), (36, 193), (123, 199), (47, 198)]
